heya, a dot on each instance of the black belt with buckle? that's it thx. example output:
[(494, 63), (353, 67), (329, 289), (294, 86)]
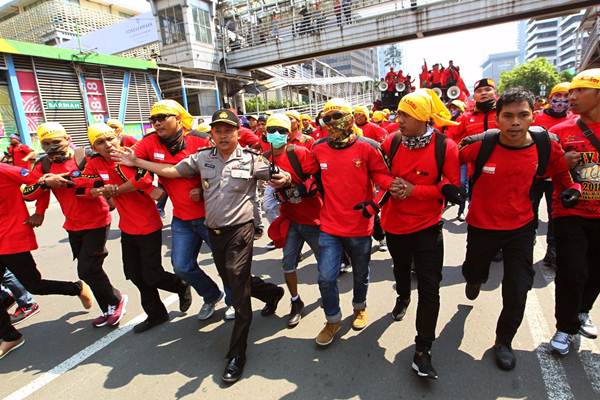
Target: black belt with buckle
[(222, 229)]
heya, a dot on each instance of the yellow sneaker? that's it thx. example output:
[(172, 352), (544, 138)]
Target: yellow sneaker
[(327, 334), (360, 319), (86, 296)]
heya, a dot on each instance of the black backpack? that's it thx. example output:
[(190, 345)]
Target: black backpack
[(489, 139), (79, 154)]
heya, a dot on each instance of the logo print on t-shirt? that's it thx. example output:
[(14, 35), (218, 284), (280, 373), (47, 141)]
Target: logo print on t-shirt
[(489, 169), (357, 162), (159, 156)]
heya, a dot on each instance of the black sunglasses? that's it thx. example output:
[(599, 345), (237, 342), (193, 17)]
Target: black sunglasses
[(334, 116), (277, 129), (160, 117)]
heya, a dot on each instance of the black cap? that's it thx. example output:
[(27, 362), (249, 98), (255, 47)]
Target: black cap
[(225, 116), (262, 118), (484, 82)]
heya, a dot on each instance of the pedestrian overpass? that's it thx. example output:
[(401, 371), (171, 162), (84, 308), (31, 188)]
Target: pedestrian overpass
[(266, 39)]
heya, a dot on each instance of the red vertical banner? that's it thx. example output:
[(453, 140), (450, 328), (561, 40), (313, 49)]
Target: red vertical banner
[(31, 100), (96, 99)]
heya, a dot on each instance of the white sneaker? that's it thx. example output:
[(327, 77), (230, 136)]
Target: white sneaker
[(230, 313), (587, 327), (208, 309), (383, 245), (345, 268), (560, 342)]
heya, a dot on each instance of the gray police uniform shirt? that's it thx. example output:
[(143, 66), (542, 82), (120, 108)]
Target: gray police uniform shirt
[(228, 186)]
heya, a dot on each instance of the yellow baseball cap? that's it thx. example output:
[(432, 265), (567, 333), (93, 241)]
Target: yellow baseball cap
[(337, 104), (98, 130), (425, 105), (280, 121), (171, 107), (588, 79), (378, 116)]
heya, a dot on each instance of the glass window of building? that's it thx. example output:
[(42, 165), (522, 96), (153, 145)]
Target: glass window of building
[(171, 25), (202, 25)]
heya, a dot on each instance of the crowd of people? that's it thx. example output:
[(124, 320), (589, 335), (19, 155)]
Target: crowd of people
[(336, 182)]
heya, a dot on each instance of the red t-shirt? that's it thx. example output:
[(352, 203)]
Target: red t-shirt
[(373, 131), (128, 141), (348, 175), (436, 76), (18, 153), (307, 211), (318, 133), (587, 171), (247, 138), (472, 123), (137, 211), (500, 198), (150, 148), (81, 212), (264, 145), (392, 127), (424, 207), (15, 236), (547, 121)]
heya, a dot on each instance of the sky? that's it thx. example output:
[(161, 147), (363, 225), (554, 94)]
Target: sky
[(468, 49), (139, 5)]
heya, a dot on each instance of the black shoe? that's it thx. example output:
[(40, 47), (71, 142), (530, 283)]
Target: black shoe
[(258, 232), (400, 308), (472, 290), (8, 301), (505, 358), (185, 298), (233, 370), (271, 306), (422, 365), (550, 257), (149, 324), (295, 313), (498, 256), (460, 217)]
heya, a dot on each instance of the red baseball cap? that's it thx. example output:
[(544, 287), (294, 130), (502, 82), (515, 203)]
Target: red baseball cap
[(278, 231)]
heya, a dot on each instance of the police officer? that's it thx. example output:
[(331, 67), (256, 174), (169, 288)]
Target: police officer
[(229, 174)]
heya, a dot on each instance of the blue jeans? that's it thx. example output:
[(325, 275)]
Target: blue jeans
[(464, 183), (187, 241), (297, 235), (11, 285), (330, 256)]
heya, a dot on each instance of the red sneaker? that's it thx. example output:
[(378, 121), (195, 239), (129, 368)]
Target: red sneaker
[(100, 321), (22, 313), (116, 313)]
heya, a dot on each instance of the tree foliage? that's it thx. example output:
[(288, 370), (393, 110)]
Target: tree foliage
[(392, 56), (531, 75)]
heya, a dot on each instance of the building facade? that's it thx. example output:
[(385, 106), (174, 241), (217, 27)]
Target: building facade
[(498, 63)]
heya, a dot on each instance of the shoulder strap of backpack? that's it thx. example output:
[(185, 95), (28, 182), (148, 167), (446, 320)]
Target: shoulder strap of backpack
[(542, 143), (587, 132), (79, 156), (396, 140), (293, 157), (46, 164), (440, 153), (489, 141)]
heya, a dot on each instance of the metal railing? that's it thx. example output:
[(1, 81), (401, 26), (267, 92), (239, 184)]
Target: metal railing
[(244, 27), (313, 108)]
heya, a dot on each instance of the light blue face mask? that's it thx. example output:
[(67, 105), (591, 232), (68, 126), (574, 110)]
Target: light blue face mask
[(278, 140)]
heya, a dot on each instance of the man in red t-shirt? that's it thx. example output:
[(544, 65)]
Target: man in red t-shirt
[(507, 222), (391, 79), (349, 166), (141, 238), (577, 229), (369, 129), (473, 122), (547, 118), (87, 219), (300, 205), (21, 154), (169, 145), (17, 240), (117, 126), (413, 220), (295, 134)]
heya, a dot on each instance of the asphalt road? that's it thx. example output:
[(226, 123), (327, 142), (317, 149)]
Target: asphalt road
[(66, 358)]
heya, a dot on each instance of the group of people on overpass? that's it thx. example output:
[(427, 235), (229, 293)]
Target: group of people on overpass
[(335, 183)]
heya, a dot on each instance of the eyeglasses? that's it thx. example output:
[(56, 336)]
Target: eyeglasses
[(334, 116), (159, 118), (277, 129)]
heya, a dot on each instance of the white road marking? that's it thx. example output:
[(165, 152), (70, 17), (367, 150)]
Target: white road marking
[(588, 351), (78, 358)]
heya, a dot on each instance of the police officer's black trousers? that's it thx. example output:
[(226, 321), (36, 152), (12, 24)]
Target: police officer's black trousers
[(23, 267), (578, 269), (517, 247), (232, 252), (142, 264), (89, 248), (426, 247)]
